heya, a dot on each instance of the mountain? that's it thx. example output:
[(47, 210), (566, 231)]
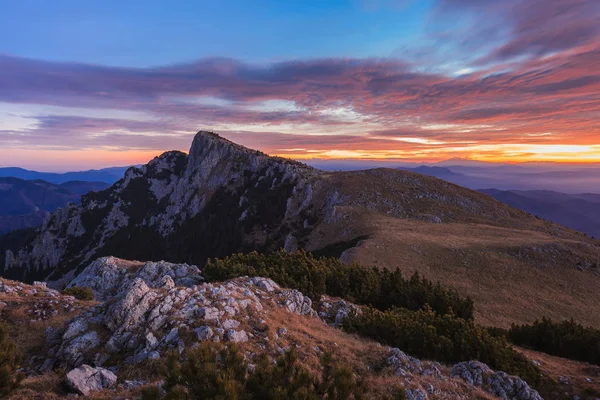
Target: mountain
[(107, 175), (24, 204), (223, 198), (479, 176), (576, 211)]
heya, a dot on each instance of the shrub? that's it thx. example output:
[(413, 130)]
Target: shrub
[(9, 362), (220, 372), (383, 289), (564, 339), (80, 293), (443, 338)]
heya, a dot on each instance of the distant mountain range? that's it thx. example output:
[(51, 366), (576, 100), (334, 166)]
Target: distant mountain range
[(576, 211), (558, 177), (24, 203), (107, 175)]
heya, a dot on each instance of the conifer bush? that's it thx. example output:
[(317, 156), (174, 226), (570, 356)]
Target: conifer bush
[(380, 288), (443, 338), (9, 362), (80, 293), (564, 339), (220, 372)]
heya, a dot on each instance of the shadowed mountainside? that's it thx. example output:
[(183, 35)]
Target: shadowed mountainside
[(24, 204), (223, 198)]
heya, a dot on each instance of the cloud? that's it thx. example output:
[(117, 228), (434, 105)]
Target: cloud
[(528, 84)]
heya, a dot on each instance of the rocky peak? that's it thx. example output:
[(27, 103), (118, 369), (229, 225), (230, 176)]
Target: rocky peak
[(217, 161)]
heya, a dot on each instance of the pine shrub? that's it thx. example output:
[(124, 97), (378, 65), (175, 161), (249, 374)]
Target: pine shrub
[(80, 293), (566, 339), (380, 288), (220, 372), (444, 338), (9, 362)]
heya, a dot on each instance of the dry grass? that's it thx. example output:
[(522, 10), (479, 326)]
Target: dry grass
[(584, 378), (515, 267), (365, 357), (512, 275)]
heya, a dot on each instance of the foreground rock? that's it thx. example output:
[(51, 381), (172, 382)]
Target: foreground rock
[(497, 383), (86, 379), (474, 373), (143, 322), (151, 309), (110, 275)]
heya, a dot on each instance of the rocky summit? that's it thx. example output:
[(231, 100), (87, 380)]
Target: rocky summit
[(227, 273), (223, 198), (142, 317)]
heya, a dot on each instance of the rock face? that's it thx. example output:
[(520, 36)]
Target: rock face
[(109, 275), (497, 383), (143, 317), (86, 379), (220, 199)]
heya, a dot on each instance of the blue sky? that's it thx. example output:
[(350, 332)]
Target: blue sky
[(97, 83), (151, 33)]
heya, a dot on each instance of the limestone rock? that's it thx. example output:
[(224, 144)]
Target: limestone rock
[(497, 383), (86, 379)]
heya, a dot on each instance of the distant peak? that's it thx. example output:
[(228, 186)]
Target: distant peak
[(211, 140)]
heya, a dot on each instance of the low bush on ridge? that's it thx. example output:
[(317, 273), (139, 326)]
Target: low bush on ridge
[(419, 317), (80, 293), (9, 362), (215, 371), (380, 288), (566, 339), (444, 338)]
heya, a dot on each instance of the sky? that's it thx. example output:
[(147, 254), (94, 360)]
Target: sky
[(93, 84)]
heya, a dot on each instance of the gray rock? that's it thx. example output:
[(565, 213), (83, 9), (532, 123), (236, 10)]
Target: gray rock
[(203, 333), (497, 383), (230, 324), (236, 336), (151, 341), (265, 284), (416, 394), (86, 379), (74, 351), (75, 328)]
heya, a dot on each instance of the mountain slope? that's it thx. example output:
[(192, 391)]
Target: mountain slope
[(223, 198), (577, 211), (24, 204)]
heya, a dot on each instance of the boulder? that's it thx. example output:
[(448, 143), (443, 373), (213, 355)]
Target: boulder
[(236, 336), (86, 379), (497, 383)]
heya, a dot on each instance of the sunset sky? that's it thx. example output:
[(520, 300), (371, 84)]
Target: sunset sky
[(88, 84)]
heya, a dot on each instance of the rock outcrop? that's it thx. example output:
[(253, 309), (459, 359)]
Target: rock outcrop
[(109, 275), (150, 309), (497, 383), (86, 379), (144, 315), (474, 373)]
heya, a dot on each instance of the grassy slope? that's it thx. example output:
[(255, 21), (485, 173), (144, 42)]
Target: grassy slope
[(516, 267)]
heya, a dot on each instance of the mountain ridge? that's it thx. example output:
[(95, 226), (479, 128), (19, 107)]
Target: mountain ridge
[(223, 198)]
